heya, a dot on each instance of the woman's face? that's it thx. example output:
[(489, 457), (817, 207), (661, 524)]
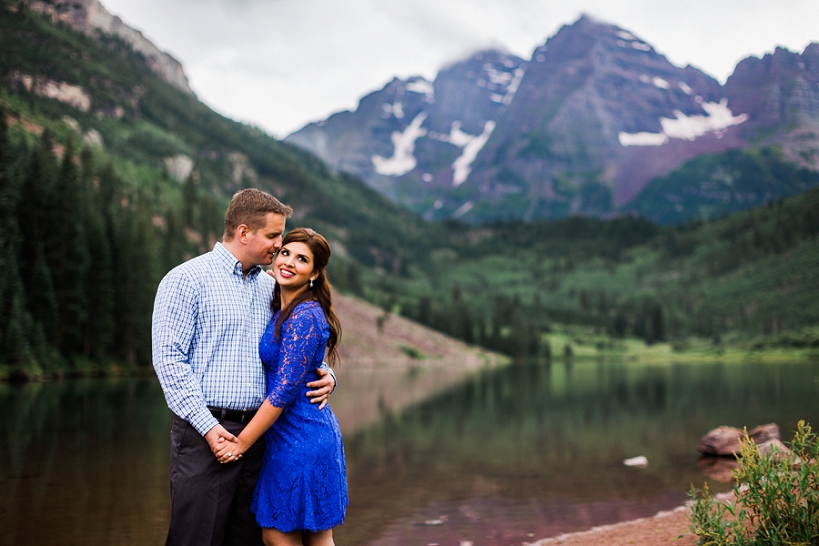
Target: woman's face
[(293, 267)]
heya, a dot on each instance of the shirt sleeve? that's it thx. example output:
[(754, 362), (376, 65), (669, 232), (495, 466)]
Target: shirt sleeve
[(301, 336), (172, 331), (324, 366)]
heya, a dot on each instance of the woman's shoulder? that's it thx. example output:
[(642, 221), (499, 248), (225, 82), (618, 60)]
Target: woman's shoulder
[(308, 311)]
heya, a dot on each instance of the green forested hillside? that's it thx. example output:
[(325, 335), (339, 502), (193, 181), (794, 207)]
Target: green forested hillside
[(143, 121), (751, 274), (93, 213), (715, 185)]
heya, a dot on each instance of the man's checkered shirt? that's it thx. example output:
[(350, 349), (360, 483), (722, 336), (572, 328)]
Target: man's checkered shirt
[(207, 323)]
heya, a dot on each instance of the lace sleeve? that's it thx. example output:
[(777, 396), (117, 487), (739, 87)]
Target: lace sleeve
[(301, 336)]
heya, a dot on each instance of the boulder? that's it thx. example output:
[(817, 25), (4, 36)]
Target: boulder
[(724, 441), (718, 468), (777, 449)]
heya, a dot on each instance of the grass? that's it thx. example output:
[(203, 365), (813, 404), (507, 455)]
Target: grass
[(777, 498), (588, 344), (412, 352)]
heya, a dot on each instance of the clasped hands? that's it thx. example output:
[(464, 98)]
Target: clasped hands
[(228, 448)]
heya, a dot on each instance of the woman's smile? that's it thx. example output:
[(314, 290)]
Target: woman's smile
[(293, 266)]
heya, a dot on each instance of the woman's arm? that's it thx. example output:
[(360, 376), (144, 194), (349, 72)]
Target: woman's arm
[(300, 339), (263, 420)]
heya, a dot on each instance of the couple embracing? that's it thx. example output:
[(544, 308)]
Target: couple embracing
[(256, 457)]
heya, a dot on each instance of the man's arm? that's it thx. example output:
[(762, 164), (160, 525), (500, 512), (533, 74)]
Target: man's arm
[(172, 330)]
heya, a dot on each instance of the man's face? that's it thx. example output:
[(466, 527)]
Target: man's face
[(263, 243)]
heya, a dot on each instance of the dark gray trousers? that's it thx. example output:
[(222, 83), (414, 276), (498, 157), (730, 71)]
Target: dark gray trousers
[(210, 501)]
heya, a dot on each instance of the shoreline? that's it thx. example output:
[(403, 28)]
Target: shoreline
[(663, 528)]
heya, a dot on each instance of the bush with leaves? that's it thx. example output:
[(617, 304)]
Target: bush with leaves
[(776, 498)]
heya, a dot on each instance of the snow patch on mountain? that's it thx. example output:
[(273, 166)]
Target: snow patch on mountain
[(471, 146), (396, 109), (508, 82), (423, 87), (718, 117), (642, 139), (463, 209), (659, 82), (402, 160)]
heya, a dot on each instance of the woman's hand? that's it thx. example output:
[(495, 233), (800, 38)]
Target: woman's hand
[(229, 452)]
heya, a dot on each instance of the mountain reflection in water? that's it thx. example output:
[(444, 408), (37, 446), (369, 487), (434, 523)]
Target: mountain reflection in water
[(502, 456)]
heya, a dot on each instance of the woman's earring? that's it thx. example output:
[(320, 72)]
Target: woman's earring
[(311, 283)]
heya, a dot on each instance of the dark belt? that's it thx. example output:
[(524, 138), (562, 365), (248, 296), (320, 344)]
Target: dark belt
[(232, 415)]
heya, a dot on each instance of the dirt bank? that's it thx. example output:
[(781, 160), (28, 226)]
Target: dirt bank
[(663, 529)]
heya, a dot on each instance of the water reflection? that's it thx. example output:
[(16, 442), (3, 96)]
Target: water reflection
[(506, 456), (86, 463), (538, 450)]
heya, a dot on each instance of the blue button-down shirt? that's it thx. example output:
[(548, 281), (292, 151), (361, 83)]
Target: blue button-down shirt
[(207, 322)]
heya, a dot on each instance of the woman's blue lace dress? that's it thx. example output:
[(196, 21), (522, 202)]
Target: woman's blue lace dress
[(303, 480)]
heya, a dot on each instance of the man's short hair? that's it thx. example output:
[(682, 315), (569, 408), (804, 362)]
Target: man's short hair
[(251, 207)]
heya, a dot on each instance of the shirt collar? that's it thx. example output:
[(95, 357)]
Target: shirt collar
[(231, 263)]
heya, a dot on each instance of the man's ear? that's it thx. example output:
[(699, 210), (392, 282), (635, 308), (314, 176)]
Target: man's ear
[(242, 231)]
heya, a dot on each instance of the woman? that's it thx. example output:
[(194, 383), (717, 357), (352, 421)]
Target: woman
[(301, 493)]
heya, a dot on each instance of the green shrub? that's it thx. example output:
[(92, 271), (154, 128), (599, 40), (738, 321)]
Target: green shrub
[(412, 352), (776, 498)]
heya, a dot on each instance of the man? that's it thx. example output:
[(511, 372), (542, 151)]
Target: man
[(209, 316)]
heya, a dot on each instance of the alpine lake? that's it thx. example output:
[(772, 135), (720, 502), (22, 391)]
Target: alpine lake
[(499, 456)]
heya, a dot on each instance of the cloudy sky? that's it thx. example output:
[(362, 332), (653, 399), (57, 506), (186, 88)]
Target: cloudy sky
[(279, 64)]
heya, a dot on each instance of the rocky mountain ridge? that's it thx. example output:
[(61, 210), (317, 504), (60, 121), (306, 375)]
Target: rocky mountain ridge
[(582, 127), (90, 17)]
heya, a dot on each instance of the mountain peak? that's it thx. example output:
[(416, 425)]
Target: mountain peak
[(588, 19), (580, 128)]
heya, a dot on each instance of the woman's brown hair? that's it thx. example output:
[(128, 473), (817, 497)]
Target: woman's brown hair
[(320, 291)]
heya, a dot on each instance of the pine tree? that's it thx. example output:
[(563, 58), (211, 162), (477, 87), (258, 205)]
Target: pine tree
[(35, 206), (42, 301), (68, 255), (189, 201), (424, 310), (173, 241), (15, 348), (137, 274), (9, 189), (99, 287), (211, 222)]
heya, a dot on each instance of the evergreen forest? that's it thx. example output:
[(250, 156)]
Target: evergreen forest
[(92, 215)]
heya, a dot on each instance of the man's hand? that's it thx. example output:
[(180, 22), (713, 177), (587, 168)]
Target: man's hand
[(230, 452), (216, 436), (322, 388)]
